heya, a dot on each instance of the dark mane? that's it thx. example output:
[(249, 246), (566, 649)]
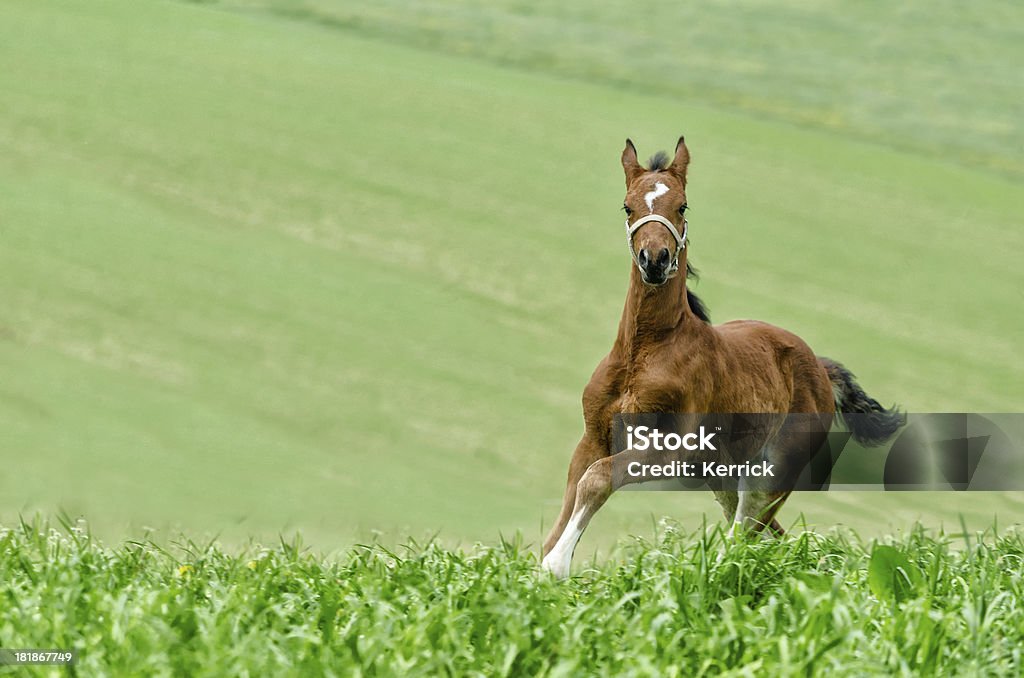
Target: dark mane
[(696, 305), (658, 162)]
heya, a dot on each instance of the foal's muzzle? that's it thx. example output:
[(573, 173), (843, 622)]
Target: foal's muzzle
[(655, 269)]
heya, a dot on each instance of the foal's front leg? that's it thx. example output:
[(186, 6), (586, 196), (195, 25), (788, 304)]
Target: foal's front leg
[(590, 493), (585, 454)]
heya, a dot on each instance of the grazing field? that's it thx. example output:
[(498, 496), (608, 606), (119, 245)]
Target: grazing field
[(678, 605), (940, 78), (262, 275)]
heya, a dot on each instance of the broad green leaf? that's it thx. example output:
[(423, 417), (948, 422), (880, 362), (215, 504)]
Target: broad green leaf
[(891, 575)]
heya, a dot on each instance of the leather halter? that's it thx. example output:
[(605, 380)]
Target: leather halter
[(680, 239)]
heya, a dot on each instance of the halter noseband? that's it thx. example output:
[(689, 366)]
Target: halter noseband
[(680, 239)]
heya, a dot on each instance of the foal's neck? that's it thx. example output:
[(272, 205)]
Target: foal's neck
[(652, 314)]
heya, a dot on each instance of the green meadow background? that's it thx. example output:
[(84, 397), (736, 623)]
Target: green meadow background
[(344, 268)]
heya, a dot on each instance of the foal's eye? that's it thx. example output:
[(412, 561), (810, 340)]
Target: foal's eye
[(625, 208), (683, 208)]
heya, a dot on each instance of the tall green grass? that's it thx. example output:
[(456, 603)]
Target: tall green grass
[(682, 604)]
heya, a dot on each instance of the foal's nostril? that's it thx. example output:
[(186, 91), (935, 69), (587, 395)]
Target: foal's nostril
[(642, 258), (663, 257)]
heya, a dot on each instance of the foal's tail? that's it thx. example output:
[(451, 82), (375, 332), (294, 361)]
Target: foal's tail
[(870, 423)]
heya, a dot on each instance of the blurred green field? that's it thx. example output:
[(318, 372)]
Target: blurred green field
[(941, 77), (261, 275)]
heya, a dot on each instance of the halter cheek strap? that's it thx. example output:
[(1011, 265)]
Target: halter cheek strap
[(680, 239)]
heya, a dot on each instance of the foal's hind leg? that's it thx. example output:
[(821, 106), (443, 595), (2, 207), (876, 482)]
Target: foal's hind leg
[(796, 443), (728, 500), (756, 511)]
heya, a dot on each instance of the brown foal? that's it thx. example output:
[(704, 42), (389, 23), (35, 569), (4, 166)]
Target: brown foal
[(667, 358)]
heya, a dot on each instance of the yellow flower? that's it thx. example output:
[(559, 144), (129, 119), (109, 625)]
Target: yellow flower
[(184, 570)]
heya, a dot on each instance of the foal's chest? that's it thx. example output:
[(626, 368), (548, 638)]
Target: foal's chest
[(628, 403), (629, 392), (649, 396)]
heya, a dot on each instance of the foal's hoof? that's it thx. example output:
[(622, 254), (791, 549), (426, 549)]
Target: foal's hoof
[(555, 566)]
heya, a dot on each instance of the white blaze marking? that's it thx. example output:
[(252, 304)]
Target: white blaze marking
[(660, 189)]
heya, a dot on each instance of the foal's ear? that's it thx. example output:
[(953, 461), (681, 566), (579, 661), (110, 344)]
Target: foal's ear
[(680, 162), (630, 165)]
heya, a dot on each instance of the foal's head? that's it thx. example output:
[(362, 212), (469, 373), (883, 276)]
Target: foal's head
[(655, 208)]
